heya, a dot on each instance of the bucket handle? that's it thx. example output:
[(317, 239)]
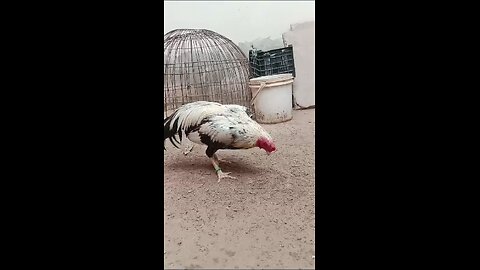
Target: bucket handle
[(262, 85)]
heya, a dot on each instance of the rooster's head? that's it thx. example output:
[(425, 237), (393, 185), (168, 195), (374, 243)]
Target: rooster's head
[(266, 144)]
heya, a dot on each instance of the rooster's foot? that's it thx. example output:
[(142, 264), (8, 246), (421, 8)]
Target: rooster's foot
[(221, 175)]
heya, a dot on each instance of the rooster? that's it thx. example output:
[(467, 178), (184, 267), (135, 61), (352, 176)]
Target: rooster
[(218, 127)]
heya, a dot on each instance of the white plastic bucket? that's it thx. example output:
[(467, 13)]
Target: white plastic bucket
[(272, 98)]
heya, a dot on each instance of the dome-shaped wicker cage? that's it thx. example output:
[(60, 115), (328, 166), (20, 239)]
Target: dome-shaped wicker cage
[(199, 65)]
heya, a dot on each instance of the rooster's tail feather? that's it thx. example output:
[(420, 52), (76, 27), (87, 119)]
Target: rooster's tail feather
[(170, 132)]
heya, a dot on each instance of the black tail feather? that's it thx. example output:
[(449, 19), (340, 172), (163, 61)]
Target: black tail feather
[(170, 133)]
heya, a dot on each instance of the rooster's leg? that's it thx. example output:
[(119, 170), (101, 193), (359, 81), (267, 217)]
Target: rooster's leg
[(220, 160), (188, 149), (219, 172)]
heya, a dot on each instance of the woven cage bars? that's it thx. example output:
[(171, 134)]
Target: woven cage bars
[(199, 65)]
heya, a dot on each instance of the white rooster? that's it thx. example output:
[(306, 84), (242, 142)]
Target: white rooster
[(218, 127)]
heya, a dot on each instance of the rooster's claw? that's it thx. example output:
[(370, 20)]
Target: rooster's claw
[(222, 175)]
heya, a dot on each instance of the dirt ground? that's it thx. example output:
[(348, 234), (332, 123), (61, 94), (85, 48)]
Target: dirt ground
[(263, 219)]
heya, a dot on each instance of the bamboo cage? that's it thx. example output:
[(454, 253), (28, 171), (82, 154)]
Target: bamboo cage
[(200, 64)]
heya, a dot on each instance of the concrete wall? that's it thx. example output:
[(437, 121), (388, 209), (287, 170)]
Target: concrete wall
[(302, 38)]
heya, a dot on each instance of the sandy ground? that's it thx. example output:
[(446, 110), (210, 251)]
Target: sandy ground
[(263, 219)]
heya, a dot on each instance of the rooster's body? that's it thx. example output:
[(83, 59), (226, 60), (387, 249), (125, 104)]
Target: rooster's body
[(218, 127)]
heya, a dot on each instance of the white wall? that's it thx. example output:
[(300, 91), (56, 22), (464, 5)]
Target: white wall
[(239, 21), (302, 38)]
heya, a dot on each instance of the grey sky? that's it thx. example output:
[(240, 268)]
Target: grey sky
[(238, 20)]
